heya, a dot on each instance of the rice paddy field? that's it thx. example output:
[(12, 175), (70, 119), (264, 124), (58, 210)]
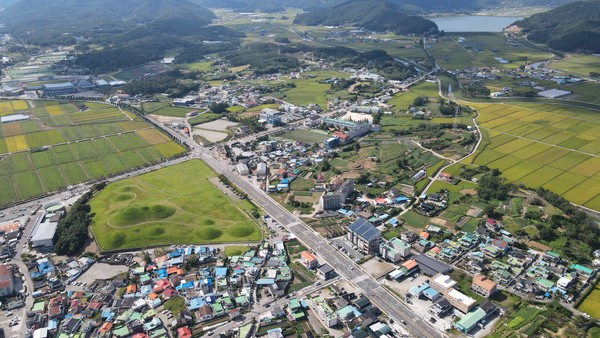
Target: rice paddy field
[(61, 146), (481, 49), (173, 205), (543, 145)]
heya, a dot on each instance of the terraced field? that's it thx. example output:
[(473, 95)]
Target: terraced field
[(81, 146), (542, 145)]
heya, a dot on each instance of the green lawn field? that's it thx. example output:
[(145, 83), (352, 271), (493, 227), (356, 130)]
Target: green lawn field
[(174, 205), (120, 142)]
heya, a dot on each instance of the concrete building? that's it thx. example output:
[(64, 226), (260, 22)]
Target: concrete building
[(242, 168), (460, 301), (43, 230), (7, 286), (394, 250), (271, 116), (483, 285), (442, 283), (334, 200), (330, 201), (312, 121), (364, 235), (261, 170)]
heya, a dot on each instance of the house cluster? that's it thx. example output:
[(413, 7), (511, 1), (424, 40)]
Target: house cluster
[(490, 255), (432, 204)]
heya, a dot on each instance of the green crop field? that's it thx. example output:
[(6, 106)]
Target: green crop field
[(307, 136), (82, 145), (578, 64), (543, 145), (481, 49), (174, 205)]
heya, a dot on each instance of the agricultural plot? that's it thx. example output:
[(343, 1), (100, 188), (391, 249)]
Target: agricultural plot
[(307, 136), (481, 49), (82, 146), (177, 204), (543, 146)]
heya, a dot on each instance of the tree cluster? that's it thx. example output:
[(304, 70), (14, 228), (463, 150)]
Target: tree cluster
[(494, 187), (72, 230), (175, 83)]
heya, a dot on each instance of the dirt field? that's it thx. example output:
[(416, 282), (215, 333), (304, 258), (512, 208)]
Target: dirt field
[(441, 222), (469, 192), (167, 119), (377, 269), (209, 135), (474, 212), (218, 125)]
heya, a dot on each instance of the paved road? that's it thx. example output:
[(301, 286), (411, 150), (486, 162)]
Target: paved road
[(366, 284), (343, 265)]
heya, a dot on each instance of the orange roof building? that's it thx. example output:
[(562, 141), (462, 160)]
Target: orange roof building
[(309, 260), (424, 235), (106, 327), (410, 264), (483, 285), (131, 288)]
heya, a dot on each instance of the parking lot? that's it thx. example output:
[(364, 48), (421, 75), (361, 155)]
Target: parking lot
[(342, 244), (96, 271), (10, 322), (420, 306)]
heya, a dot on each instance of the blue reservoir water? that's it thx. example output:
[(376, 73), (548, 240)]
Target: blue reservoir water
[(474, 23)]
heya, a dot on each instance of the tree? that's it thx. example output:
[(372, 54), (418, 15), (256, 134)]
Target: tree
[(547, 234), (218, 108), (492, 186), (420, 101)]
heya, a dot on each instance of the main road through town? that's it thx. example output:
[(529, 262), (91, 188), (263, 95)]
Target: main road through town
[(343, 265)]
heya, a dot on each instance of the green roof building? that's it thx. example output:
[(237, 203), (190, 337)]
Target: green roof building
[(470, 320), (582, 269), (544, 283)]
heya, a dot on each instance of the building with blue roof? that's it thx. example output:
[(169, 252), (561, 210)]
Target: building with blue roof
[(364, 235), (175, 253), (417, 291), (162, 273), (196, 303), (185, 286), (220, 272), (431, 294), (400, 199)]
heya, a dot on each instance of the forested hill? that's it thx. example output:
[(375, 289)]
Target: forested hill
[(376, 15), (413, 6), (574, 27), (40, 19)]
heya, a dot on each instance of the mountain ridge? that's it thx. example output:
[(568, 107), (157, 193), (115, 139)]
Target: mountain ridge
[(573, 27), (376, 15)]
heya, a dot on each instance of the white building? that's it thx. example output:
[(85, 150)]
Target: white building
[(441, 283), (261, 170), (394, 250), (242, 168)]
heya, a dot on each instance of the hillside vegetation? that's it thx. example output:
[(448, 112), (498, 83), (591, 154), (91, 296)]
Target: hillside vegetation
[(573, 27), (372, 15), (406, 5)]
